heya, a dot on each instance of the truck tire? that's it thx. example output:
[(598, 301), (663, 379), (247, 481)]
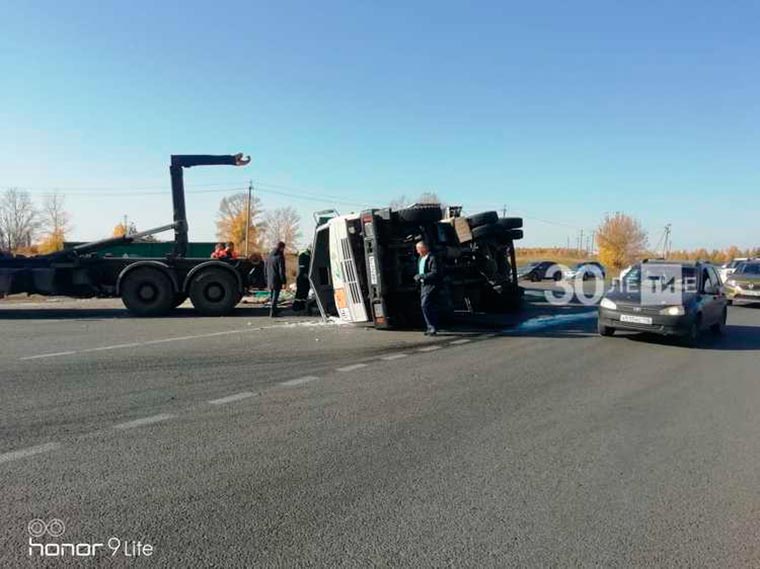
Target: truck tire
[(420, 214), (480, 219), (511, 222), (515, 234), (214, 292), (490, 231), (147, 292)]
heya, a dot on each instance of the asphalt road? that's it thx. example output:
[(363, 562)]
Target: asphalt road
[(242, 441)]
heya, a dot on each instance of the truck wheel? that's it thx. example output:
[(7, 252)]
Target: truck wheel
[(493, 230), (214, 292), (511, 222), (147, 292), (481, 219), (420, 214)]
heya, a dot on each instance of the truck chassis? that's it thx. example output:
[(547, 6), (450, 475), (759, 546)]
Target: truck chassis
[(147, 286)]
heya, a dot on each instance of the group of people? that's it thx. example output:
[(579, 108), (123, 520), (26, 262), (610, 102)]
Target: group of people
[(224, 251), (428, 277), (274, 269)]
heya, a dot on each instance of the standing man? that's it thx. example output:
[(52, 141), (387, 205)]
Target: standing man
[(429, 277), (276, 279)]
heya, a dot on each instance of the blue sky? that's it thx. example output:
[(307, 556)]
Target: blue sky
[(561, 111)]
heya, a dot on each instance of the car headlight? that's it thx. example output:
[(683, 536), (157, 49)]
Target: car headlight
[(607, 303), (673, 311)]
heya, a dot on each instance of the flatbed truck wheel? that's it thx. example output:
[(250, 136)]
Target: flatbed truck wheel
[(214, 292), (147, 292)]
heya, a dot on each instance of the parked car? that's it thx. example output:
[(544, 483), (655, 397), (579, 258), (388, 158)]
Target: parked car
[(586, 270), (729, 268), (744, 282), (539, 271), (688, 300)]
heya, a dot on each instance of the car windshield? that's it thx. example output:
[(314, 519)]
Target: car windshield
[(662, 273), (749, 269)]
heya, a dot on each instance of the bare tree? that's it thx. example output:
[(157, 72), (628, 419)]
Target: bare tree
[(55, 222), (231, 222), (428, 198), (282, 224), (19, 220), (399, 203)]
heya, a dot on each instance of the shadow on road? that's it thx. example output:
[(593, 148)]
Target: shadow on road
[(736, 338), (94, 314)]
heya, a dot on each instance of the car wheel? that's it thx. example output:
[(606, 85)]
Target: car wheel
[(214, 292), (147, 292), (485, 218), (720, 326), (604, 330)]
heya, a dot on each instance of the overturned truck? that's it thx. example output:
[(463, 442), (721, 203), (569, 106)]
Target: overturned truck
[(363, 265)]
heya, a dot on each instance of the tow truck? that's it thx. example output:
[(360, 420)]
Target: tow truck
[(147, 286), (363, 264)]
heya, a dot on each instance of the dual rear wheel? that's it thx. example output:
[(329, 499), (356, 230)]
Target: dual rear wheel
[(148, 291)]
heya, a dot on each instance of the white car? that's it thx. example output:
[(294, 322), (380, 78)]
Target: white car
[(729, 268)]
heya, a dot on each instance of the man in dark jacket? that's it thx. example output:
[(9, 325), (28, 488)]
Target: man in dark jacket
[(429, 277), (275, 266)]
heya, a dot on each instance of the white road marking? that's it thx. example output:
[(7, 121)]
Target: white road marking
[(462, 341), (351, 367), (298, 381), (231, 398), (167, 340), (394, 357), (53, 355), (31, 451), (114, 347), (429, 349), (144, 421)]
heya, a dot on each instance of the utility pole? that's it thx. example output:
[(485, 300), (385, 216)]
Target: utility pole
[(248, 215), (504, 211), (580, 242), (666, 242)]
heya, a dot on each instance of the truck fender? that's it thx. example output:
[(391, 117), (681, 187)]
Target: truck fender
[(217, 264), (163, 267)]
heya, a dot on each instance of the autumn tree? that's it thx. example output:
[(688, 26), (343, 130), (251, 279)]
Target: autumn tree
[(282, 224), (56, 223), (620, 239), (231, 221), (19, 220)]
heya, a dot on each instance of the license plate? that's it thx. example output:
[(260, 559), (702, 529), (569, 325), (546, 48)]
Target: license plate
[(636, 319)]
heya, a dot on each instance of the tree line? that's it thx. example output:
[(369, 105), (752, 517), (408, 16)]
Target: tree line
[(29, 228)]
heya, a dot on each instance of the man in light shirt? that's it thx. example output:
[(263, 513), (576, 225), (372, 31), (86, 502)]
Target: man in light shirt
[(429, 277)]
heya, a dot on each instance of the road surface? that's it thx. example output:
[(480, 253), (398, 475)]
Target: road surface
[(244, 441)]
